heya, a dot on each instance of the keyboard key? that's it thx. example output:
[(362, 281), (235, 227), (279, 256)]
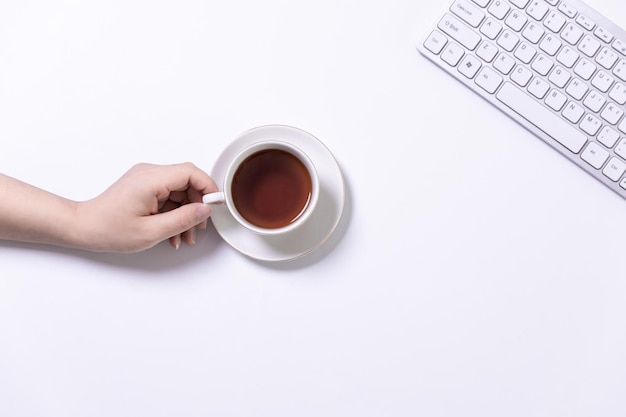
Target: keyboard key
[(521, 75), (577, 89), (619, 46), (585, 22), (533, 32), (608, 137), (549, 123), (489, 80), (620, 70), (435, 42), (602, 81), (508, 40), (499, 9), (555, 21), (516, 20), (556, 100), (459, 32), (589, 46), (491, 28), (542, 64), (567, 10), (591, 125), (538, 88), (550, 44), (594, 101), (559, 77), (568, 56), (607, 58), (572, 33), (525, 52), (612, 113), (469, 66), (504, 63), (573, 112), (469, 13), (595, 155), (618, 93), (585, 69), (603, 34), (538, 9), (452, 54), (614, 169), (620, 149), (487, 51)]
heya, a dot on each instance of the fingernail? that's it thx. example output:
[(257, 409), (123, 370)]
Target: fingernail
[(177, 242), (192, 235), (203, 212)]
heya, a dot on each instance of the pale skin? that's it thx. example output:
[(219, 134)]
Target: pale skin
[(147, 205)]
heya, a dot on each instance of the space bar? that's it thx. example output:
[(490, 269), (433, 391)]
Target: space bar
[(541, 117)]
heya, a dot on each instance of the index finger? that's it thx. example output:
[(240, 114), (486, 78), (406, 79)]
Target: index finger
[(181, 177)]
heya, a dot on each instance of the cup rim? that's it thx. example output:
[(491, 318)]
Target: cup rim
[(258, 147)]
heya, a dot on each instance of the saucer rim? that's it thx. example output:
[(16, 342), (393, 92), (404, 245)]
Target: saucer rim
[(245, 140)]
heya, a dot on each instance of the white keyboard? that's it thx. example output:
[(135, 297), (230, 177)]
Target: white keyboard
[(557, 67)]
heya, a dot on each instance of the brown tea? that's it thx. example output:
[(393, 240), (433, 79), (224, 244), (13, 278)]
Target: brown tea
[(271, 188)]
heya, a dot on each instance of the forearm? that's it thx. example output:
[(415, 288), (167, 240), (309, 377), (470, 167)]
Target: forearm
[(30, 214)]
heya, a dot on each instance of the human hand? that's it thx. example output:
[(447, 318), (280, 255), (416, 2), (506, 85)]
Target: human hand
[(148, 204)]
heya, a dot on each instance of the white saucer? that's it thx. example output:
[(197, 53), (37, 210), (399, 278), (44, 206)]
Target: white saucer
[(307, 237)]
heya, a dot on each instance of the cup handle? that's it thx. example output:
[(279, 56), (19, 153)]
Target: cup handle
[(213, 198)]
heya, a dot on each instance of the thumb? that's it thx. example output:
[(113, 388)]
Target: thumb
[(177, 221)]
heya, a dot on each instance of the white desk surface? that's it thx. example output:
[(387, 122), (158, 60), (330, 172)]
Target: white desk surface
[(475, 272)]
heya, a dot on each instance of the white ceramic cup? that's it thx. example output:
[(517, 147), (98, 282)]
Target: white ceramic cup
[(225, 196)]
